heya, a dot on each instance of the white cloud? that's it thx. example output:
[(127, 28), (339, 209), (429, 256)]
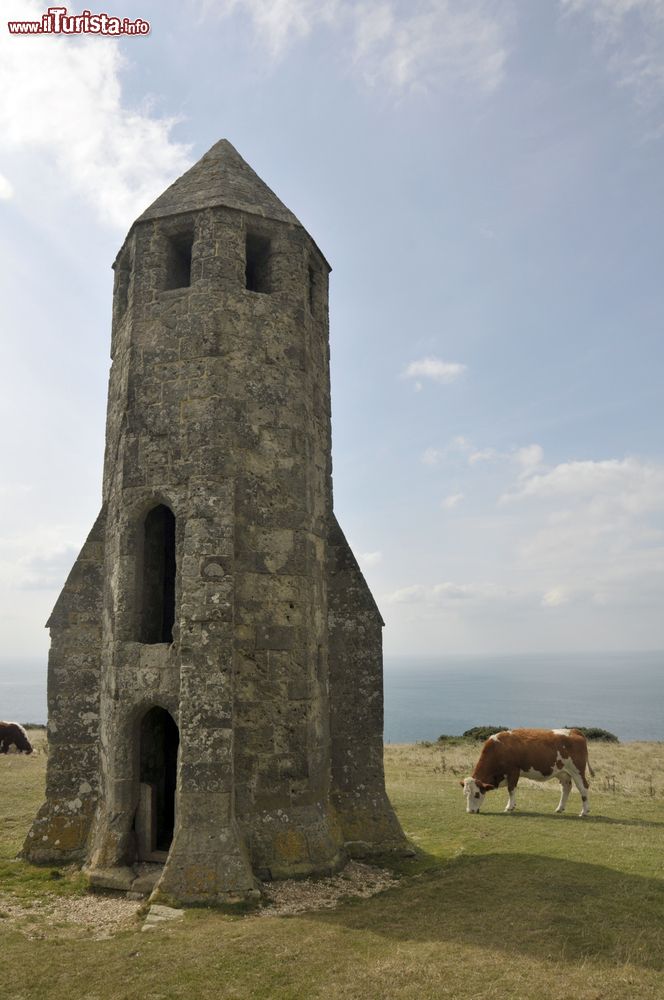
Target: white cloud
[(529, 457), (434, 369), (421, 47), (46, 571), (469, 591), (452, 501), (447, 593), (575, 558), (67, 104), (280, 23), (555, 597), (595, 529), (631, 34), (38, 560), (432, 456), (406, 595), (6, 190), (482, 455), (629, 484), (368, 559), (397, 45), (14, 489), (610, 14)]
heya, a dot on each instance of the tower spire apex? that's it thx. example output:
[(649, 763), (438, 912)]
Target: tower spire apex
[(220, 178)]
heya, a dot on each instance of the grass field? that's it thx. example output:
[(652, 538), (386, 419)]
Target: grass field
[(528, 905)]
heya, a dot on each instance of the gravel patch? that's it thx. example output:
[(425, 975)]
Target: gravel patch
[(356, 881), (98, 917), (95, 917)]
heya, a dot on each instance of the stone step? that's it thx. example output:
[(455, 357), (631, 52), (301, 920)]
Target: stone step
[(146, 879)]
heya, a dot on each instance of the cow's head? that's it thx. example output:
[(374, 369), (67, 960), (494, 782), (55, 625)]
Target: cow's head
[(21, 742), (474, 792)]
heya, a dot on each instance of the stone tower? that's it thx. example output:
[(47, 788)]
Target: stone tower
[(215, 673)]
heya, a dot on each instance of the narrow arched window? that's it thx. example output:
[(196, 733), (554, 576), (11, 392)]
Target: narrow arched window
[(158, 605)]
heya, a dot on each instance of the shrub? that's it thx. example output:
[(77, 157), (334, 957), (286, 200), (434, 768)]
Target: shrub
[(595, 733), (483, 732)]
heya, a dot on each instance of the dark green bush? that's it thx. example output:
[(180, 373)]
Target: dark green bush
[(483, 732), (595, 733)]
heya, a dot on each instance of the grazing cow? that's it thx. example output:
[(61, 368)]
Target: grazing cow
[(12, 733), (539, 754)]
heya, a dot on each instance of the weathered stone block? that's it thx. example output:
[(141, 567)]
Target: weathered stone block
[(274, 637)]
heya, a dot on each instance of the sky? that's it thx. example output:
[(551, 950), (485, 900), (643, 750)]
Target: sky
[(486, 180)]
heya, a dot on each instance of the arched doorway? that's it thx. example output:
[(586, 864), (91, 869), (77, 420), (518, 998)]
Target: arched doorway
[(158, 757)]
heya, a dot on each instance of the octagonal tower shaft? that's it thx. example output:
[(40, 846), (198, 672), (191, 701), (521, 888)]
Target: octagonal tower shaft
[(216, 581)]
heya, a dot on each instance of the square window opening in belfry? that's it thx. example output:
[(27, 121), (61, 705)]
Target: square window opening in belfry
[(178, 260), (257, 267)]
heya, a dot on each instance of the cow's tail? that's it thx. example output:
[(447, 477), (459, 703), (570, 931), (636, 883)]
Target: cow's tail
[(592, 773)]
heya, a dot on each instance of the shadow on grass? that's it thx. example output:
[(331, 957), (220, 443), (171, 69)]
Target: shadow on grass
[(593, 818), (541, 907), (416, 862)]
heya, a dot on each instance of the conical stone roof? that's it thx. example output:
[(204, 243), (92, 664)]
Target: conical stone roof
[(220, 177)]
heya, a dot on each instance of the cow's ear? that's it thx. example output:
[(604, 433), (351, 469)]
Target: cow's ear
[(462, 784), (486, 787)]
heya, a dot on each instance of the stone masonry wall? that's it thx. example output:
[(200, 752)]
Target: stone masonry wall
[(356, 708), (219, 407), (283, 502), (60, 831)]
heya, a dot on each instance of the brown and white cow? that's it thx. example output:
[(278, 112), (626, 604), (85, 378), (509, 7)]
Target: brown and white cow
[(539, 754), (13, 733)]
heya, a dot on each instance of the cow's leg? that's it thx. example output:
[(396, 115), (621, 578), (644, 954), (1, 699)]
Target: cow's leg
[(565, 789), (582, 784), (512, 780)]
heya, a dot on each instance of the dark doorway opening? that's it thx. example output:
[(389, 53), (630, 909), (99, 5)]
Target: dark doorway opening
[(160, 740), (158, 606)]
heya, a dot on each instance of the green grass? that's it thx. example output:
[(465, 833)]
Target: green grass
[(528, 905), (21, 794)]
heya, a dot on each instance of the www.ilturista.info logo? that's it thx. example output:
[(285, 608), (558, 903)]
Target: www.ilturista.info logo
[(56, 21)]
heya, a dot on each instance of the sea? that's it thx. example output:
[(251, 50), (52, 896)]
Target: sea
[(620, 692), (426, 697)]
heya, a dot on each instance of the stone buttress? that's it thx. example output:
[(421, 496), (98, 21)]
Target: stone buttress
[(215, 673)]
